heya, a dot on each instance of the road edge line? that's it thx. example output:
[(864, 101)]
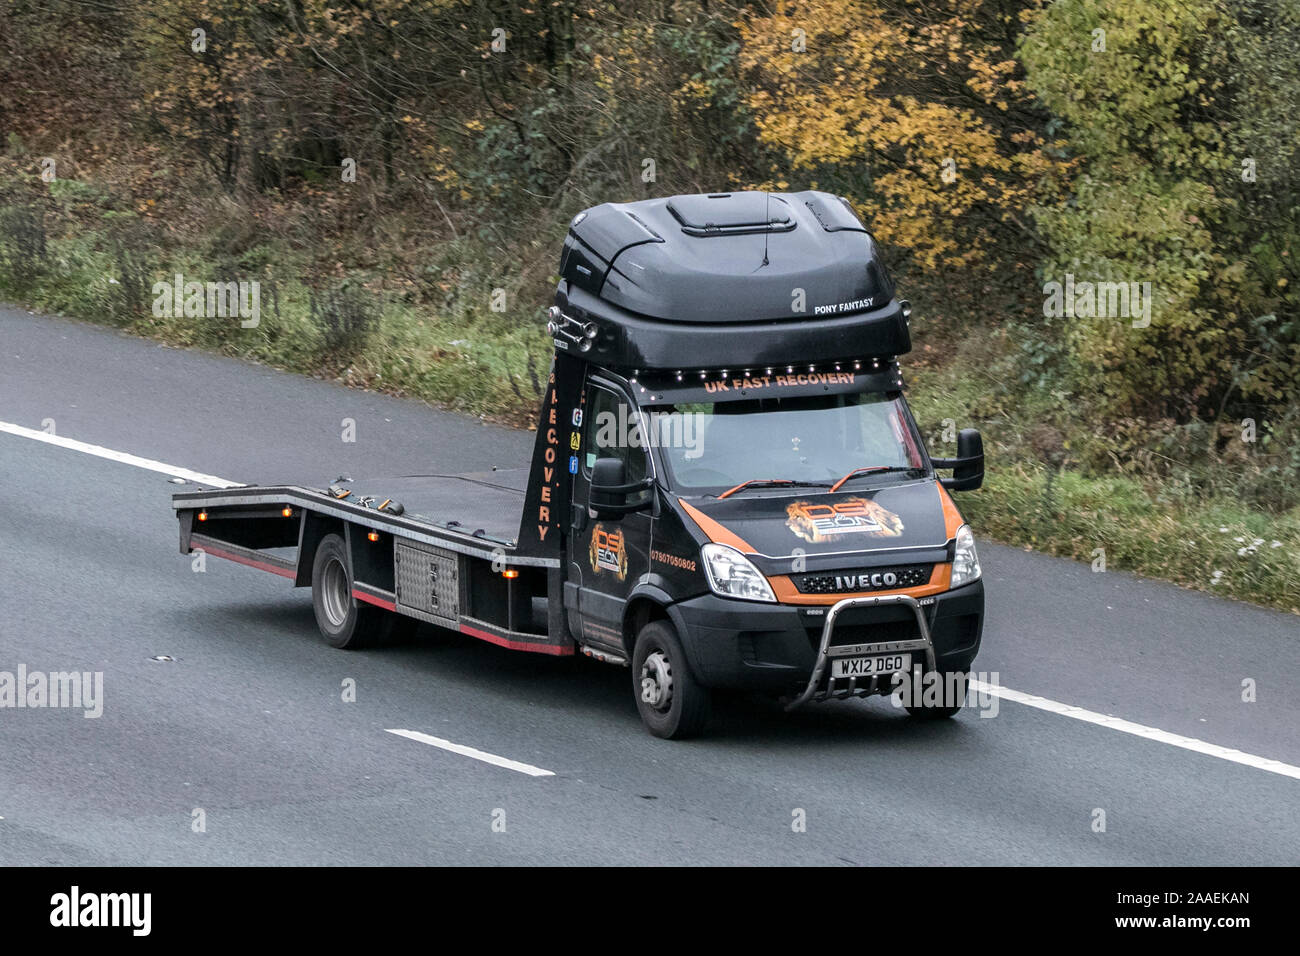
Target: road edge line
[(99, 451), (1139, 730)]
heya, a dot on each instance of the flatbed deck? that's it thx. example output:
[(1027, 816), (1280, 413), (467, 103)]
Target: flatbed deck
[(475, 513)]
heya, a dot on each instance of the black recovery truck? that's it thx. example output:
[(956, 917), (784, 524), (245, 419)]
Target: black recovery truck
[(727, 488)]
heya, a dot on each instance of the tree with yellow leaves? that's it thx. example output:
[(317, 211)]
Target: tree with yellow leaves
[(916, 111)]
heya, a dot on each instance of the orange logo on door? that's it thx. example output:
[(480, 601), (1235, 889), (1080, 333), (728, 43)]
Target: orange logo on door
[(608, 551), (826, 522)]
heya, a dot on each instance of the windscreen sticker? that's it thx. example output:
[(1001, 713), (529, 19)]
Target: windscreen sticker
[(817, 523)]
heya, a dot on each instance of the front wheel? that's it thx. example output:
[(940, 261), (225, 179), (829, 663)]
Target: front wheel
[(672, 703), (936, 695)]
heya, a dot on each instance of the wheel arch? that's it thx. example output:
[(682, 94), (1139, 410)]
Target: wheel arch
[(646, 603), (314, 529)]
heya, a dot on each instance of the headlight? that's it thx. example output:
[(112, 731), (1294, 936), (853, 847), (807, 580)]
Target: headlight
[(965, 563), (732, 575)]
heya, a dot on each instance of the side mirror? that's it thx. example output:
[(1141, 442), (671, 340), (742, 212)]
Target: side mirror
[(610, 489), (968, 466)]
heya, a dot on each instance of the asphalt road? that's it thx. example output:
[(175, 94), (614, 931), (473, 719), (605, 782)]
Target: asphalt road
[(248, 723)]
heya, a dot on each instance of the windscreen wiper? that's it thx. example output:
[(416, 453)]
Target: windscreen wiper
[(871, 470), (771, 482)]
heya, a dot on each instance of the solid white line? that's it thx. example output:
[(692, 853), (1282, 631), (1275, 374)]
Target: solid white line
[(476, 754), (100, 452), (1139, 730)]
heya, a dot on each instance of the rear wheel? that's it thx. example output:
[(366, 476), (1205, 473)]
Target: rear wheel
[(343, 621), (672, 703)]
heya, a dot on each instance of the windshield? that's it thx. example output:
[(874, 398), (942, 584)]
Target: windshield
[(709, 447)]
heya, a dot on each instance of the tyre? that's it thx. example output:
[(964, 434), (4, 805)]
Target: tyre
[(951, 689), (672, 703), (343, 622)]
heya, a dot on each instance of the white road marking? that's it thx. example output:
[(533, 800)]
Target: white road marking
[(1006, 693), (101, 452), (1139, 730), (476, 754)]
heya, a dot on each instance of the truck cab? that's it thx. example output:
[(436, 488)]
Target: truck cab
[(752, 505)]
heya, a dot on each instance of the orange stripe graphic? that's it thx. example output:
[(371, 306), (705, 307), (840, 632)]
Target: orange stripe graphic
[(716, 532)]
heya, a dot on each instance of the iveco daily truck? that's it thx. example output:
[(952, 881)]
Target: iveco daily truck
[(727, 489)]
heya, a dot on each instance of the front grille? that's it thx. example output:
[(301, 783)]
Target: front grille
[(867, 579)]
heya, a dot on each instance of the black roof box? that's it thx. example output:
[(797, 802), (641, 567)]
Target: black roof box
[(716, 279)]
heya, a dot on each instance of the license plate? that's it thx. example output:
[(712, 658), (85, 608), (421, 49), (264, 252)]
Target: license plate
[(870, 666)]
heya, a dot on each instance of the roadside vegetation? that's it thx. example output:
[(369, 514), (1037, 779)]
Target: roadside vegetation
[(398, 175)]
